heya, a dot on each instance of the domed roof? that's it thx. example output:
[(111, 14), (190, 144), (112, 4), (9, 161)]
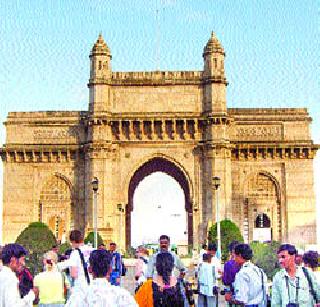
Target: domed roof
[(100, 47), (213, 45)]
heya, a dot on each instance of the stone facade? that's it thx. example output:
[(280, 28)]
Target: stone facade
[(171, 121)]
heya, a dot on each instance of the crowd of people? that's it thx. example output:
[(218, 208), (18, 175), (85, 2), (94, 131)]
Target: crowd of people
[(84, 276)]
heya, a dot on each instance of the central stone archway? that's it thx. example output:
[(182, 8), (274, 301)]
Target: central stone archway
[(159, 164)]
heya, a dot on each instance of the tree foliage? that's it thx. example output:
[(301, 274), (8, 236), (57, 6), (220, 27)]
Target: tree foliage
[(265, 256), (229, 232), (90, 238), (37, 239)]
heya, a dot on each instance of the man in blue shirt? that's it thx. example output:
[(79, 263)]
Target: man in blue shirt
[(116, 266)]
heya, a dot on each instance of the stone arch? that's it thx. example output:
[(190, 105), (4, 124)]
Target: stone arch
[(262, 196), (55, 205), (161, 164)]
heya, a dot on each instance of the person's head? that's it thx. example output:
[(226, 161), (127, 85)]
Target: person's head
[(164, 266), (76, 238), (112, 246), (204, 246), (286, 256), (243, 253), (207, 257), (231, 248), (164, 242), (13, 256), (212, 249), (142, 251), (310, 259), (50, 260), (299, 256), (101, 246), (100, 261), (55, 248)]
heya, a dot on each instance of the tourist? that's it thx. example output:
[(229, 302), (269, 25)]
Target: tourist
[(50, 283), (164, 242), (290, 285), (141, 265), (102, 246), (231, 268), (78, 265), (13, 259), (163, 289), (310, 260), (100, 292), (299, 255), (215, 261), (116, 265), (25, 281), (250, 285), (203, 251)]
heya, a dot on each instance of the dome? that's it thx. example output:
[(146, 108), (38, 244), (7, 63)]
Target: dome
[(213, 45), (100, 47)]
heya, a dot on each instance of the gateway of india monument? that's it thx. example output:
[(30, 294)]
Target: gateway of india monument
[(176, 122)]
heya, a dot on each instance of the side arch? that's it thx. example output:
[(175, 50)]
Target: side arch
[(56, 207), (262, 195)]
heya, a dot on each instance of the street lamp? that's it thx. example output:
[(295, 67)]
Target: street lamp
[(216, 182), (95, 187), (121, 210)]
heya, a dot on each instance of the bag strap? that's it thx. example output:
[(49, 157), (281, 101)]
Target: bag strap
[(84, 265), (313, 293)]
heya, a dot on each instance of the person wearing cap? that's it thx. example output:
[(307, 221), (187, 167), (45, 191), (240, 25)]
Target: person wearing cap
[(290, 285), (250, 285)]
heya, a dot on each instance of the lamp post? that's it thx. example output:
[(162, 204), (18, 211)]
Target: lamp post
[(121, 210), (95, 186), (216, 182)]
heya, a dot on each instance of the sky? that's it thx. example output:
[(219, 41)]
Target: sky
[(272, 49)]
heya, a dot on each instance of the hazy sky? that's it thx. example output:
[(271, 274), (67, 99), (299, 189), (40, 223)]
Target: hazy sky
[(272, 49)]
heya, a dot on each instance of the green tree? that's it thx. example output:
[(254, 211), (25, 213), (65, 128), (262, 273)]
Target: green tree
[(37, 239), (63, 247), (90, 238), (265, 256), (229, 232)]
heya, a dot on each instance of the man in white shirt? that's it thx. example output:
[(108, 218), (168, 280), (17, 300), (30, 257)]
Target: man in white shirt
[(13, 259), (78, 265), (100, 292)]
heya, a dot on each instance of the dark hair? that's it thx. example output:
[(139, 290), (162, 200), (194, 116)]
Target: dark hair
[(76, 236), (204, 246), (100, 261), (164, 237), (244, 250), (311, 258), (206, 257), (212, 247), (12, 250), (164, 266), (232, 246), (287, 247), (112, 243)]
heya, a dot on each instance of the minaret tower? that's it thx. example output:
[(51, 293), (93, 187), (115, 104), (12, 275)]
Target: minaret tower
[(100, 76), (214, 77)]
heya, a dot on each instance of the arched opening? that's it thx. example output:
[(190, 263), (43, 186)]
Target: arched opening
[(262, 221), (158, 208), (55, 206), (159, 165), (262, 208)]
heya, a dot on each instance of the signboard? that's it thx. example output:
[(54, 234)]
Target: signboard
[(262, 234)]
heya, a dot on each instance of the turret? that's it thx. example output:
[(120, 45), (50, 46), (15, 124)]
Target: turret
[(100, 77), (214, 78), (213, 55), (100, 60)]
